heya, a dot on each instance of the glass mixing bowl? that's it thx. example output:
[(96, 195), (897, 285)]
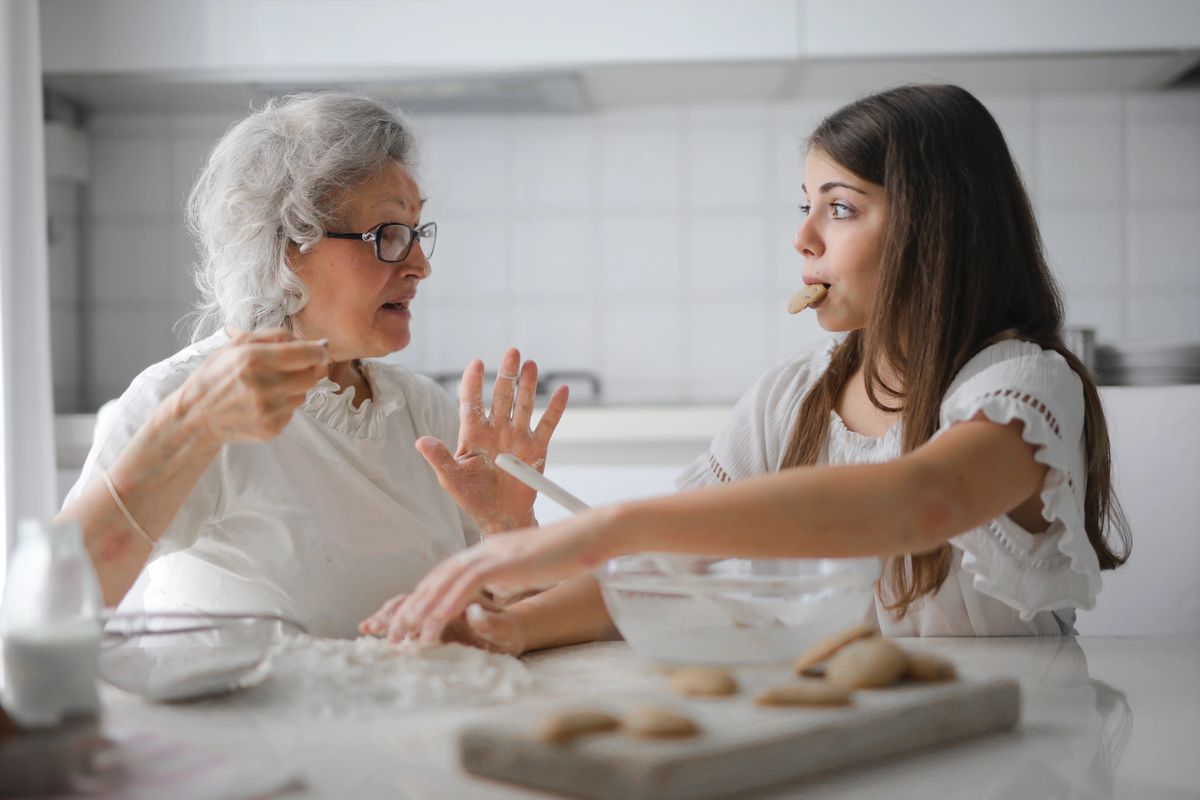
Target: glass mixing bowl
[(699, 610), (168, 657)]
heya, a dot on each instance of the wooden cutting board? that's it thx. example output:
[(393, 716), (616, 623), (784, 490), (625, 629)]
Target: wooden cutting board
[(742, 746)]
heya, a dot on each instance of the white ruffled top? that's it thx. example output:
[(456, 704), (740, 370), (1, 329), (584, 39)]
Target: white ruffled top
[(321, 524), (1004, 580)]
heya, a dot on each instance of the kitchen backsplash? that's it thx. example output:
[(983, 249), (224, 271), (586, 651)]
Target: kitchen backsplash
[(652, 246)]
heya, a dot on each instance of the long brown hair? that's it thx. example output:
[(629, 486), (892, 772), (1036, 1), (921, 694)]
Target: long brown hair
[(962, 267)]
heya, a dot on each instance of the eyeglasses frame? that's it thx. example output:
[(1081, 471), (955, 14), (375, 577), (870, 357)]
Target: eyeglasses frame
[(373, 236)]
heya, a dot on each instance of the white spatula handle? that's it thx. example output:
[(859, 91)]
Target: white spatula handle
[(539, 482)]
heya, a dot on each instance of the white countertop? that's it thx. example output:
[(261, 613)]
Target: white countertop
[(1101, 717), (677, 427)]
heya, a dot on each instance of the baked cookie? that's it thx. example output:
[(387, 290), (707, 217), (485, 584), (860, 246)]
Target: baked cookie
[(702, 682), (867, 664), (928, 668), (565, 726), (809, 295), (654, 722), (805, 693), (824, 649)]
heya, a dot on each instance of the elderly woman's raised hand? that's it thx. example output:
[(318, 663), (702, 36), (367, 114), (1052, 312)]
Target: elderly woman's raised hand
[(248, 390), (495, 500)]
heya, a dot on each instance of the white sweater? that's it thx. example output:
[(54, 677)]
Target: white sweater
[(1004, 580)]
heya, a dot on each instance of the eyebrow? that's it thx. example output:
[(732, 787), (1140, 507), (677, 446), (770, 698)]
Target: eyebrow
[(400, 202), (825, 187)]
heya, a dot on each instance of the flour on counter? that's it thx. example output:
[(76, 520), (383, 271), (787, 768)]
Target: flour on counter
[(341, 676)]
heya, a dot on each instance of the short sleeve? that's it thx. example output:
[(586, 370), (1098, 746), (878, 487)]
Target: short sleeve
[(755, 436), (1055, 569), (118, 421)]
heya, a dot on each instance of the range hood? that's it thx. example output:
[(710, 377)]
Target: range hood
[(631, 85), (479, 56)]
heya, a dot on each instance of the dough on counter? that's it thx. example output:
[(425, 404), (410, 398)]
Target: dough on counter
[(824, 649), (867, 664), (566, 726), (655, 722), (805, 693), (702, 682)]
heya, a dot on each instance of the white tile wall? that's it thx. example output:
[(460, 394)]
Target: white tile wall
[(726, 255), (557, 335), (642, 350), (639, 254), (1084, 246), (726, 346), (553, 164), (654, 245), (553, 256), (1164, 316), (640, 162), (725, 157), (1164, 162), (1164, 247)]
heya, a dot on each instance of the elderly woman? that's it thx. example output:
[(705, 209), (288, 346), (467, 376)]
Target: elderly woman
[(268, 467)]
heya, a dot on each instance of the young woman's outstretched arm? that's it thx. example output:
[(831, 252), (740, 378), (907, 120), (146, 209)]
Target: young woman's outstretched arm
[(975, 471)]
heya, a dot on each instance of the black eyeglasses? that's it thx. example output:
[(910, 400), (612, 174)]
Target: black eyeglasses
[(394, 240)]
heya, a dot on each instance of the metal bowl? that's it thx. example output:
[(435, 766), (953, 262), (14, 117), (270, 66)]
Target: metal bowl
[(689, 609), (178, 656)]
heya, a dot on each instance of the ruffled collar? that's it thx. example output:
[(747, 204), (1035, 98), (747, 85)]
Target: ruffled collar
[(334, 408), (845, 446)]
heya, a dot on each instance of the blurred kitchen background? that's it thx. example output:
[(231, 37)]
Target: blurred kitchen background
[(618, 193), (616, 187)]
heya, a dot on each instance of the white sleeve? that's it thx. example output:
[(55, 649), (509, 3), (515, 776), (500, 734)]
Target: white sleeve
[(1057, 568), (756, 433), (116, 425)]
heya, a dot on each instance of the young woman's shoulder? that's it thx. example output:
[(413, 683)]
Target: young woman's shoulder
[(754, 437), (1023, 378), (1055, 569)]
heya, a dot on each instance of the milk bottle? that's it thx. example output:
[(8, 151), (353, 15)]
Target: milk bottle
[(50, 626)]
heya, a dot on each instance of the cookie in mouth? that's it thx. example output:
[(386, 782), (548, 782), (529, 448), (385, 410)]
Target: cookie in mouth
[(810, 295)]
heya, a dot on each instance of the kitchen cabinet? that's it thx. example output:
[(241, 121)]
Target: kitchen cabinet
[(624, 52), (934, 28), (352, 39)]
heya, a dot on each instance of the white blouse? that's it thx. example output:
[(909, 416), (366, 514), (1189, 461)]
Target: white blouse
[(1004, 580), (320, 524)]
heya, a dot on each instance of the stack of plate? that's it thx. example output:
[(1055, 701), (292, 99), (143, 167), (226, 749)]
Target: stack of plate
[(1145, 364)]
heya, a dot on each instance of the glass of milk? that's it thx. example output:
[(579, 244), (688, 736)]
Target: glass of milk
[(50, 626)]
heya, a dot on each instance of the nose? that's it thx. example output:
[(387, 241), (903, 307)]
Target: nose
[(807, 241), (416, 264)]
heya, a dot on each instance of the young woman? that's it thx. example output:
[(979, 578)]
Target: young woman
[(950, 432)]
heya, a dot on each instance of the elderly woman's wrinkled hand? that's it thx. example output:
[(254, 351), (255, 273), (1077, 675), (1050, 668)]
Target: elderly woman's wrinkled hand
[(534, 557), (494, 499), (483, 624), (249, 389)]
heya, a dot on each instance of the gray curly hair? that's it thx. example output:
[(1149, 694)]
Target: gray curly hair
[(279, 177)]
